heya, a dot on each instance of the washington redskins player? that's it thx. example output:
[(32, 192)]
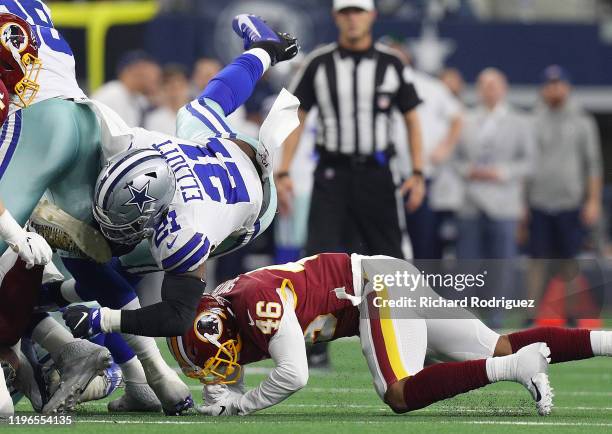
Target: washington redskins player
[(272, 312)]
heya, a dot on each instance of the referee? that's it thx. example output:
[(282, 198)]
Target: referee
[(355, 85)]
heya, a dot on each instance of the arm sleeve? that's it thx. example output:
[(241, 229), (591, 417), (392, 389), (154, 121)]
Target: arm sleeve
[(302, 85), (407, 97), (290, 374), (170, 317)]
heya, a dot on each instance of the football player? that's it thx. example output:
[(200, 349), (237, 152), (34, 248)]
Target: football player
[(206, 192), (53, 135), (273, 311)]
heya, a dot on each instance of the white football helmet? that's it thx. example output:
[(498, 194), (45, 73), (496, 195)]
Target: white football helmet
[(132, 195)]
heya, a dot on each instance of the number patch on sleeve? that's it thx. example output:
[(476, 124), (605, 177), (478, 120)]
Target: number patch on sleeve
[(269, 313)]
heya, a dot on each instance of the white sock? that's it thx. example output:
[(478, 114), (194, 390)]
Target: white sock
[(501, 368), (133, 371), (51, 335), (68, 291), (262, 55), (601, 343), (144, 347), (6, 402), (156, 368)]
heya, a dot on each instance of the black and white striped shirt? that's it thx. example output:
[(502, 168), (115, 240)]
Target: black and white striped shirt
[(355, 93)]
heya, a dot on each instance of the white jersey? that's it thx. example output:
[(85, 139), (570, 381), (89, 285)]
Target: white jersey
[(57, 77), (218, 196)]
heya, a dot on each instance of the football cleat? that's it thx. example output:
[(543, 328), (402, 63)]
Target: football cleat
[(257, 34), (104, 385), (78, 363), (64, 232), (532, 372), (138, 398), (30, 379)]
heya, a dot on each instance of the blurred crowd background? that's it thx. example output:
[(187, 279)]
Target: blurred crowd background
[(532, 76)]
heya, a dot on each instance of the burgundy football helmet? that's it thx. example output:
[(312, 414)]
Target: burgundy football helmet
[(209, 351), (19, 62)]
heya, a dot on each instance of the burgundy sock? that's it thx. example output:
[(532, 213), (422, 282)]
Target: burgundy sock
[(564, 344), (444, 380)]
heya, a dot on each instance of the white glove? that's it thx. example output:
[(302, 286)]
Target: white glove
[(31, 247), (227, 409), (219, 400)]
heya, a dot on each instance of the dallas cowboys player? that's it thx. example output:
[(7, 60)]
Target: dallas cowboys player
[(53, 135), (209, 191)]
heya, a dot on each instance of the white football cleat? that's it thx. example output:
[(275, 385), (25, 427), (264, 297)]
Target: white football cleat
[(64, 232), (138, 398), (532, 372)]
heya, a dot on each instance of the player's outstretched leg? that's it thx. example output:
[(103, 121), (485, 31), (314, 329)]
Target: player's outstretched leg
[(528, 367), (565, 344)]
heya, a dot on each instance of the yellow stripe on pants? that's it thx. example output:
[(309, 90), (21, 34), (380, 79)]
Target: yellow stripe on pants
[(391, 342)]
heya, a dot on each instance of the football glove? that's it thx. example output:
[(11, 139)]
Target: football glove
[(219, 400), (31, 247), (84, 322)]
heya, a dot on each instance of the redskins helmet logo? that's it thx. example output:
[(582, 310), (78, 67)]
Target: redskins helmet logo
[(208, 324), (14, 37)]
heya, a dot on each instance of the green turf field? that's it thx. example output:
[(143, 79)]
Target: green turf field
[(344, 401)]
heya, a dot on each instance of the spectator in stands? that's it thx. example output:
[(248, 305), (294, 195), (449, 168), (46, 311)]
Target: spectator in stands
[(441, 118), (565, 194), (133, 94), (204, 70), (175, 93), (494, 158), (453, 79)]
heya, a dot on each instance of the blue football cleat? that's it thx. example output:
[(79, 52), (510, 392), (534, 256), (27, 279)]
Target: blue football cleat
[(179, 408), (252, 29), (257, 34)]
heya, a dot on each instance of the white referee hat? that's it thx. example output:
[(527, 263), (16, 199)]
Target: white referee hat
[(366, 5)]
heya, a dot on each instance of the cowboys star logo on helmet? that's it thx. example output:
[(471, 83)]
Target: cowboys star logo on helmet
[(140, 197)]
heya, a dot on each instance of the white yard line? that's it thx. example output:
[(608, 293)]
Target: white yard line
[(398, 420), (483, 392)]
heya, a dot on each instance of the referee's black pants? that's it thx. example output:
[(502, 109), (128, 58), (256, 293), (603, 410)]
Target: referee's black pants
[(353, 199)]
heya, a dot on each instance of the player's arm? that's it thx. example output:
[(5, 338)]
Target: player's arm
[(31, 247), (408, 100), (289, 375), (172, 316)]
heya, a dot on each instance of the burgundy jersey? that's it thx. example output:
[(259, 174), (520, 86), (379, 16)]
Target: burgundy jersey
[(256, 300)]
